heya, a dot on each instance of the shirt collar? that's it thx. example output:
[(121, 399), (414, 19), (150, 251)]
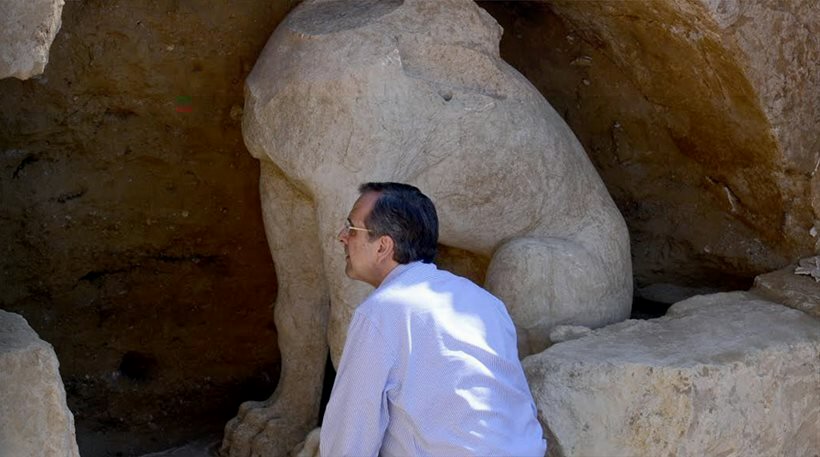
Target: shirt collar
[(401, 269)]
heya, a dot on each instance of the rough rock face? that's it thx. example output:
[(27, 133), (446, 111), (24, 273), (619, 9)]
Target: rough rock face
[(27, 29), (34, 417), (563, 333), (415, 91), (700, 116), (786, 287), (722, 374)]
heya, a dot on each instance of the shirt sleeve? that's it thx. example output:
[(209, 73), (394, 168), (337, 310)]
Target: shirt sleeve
[(357, 414)]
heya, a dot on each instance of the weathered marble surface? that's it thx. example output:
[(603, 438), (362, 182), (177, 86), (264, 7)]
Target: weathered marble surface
[(34, 417), (27, 29), (722, 374), (562, 333)]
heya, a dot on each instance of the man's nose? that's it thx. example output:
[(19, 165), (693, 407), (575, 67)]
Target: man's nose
[(342, 236)]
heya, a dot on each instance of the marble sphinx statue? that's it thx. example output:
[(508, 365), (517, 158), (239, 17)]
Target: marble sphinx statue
[(414, 91)]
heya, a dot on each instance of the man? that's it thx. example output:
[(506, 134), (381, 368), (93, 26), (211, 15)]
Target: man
[(430, 365)]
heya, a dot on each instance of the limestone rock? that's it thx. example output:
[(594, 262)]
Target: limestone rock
[(34, 417), (309, 447), (722, 374), (562, 333), (809, 267), (27, 29), (786, 287)]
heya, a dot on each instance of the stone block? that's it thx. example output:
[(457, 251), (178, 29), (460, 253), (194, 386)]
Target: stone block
[(27, 29), (34, 418), (722, 374), (795, 291)]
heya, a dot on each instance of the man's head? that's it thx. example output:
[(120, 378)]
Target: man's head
[(389, 224)]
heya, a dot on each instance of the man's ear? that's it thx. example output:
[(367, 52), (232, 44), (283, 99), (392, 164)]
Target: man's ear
[(386, 247)]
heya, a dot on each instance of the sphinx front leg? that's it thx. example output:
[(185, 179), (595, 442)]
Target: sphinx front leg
[(273, 427)]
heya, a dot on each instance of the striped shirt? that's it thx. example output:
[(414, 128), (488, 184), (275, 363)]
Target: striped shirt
[(430, 368)]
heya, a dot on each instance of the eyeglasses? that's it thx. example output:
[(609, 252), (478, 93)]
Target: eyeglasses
[(349, 226)]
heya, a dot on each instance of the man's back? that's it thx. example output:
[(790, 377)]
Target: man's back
[(442, 353)]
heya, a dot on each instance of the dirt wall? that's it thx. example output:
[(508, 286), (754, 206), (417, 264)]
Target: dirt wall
[(711, 168), (129, 213)]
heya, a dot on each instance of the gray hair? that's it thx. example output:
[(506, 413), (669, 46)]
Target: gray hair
[(407, 216)]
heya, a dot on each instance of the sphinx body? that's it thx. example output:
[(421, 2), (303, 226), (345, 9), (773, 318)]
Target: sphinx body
[(414, 91)]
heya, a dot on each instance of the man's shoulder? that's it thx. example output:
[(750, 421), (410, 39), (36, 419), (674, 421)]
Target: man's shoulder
[(425, 284), (466, 286)]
